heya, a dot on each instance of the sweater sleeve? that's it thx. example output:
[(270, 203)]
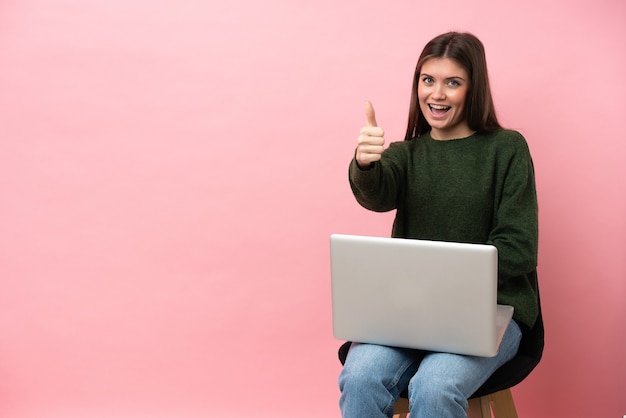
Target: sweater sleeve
[(376, 188), (515, 228)]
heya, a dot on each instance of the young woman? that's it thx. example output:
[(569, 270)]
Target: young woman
[(457, 176)]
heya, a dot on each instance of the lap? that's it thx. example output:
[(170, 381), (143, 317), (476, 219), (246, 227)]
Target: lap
[(396, 367), (467, 373), (380, 358), (391, 366)]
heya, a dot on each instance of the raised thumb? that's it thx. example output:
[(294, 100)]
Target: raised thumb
[(370, 114)]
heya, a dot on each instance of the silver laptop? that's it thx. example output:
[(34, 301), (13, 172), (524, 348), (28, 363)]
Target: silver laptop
[(430, 295)]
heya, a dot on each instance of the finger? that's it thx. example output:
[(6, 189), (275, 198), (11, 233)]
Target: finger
[(370, 114), (365, 139), (372, 131), (371, 150), (365, 159)]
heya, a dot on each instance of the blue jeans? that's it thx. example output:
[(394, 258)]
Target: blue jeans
[(438, 383)]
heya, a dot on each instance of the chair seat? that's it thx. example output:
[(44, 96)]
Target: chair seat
[(508, 375)]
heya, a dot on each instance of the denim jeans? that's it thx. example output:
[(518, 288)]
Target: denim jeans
[(438, 383)]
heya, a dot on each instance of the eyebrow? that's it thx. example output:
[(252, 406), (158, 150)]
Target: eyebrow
[(454, 77)]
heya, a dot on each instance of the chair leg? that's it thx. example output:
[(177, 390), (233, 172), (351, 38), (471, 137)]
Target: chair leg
[(500, 402), (503, 405), (401, 409), (479, 408)]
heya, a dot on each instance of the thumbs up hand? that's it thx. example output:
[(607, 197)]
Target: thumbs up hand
[(371, 142)]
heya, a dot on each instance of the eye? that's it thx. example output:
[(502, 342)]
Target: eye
[(427, 80), (454, 83)]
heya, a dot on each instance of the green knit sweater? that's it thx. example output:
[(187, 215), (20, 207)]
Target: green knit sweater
[(479, 189)]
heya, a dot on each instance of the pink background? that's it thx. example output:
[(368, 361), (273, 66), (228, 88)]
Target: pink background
[(170, 172)]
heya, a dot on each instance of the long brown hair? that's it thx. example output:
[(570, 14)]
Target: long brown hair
[(468, 52)]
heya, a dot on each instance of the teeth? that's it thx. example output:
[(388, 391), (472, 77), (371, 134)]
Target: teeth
[(439, 107)]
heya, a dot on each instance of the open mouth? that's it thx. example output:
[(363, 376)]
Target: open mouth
[(438, 110)]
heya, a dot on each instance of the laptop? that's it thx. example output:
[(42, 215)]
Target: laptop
[(430, 295)]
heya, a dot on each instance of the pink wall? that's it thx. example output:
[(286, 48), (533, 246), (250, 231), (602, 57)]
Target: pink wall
[(170, 172)]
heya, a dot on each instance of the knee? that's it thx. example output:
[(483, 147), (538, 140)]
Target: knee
[(436, 393), (368, 368), (359, 377)]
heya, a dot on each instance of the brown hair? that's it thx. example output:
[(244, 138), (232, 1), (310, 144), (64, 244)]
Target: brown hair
[(468, 52)]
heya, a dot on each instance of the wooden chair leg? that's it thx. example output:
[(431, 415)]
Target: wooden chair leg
[(503, 405), (401, 409), (479, 408), (500, 402)]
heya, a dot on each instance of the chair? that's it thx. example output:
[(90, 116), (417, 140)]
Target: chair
[(501, 403), (495, 394)]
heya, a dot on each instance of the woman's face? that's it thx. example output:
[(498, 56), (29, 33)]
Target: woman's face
[(442, 88)]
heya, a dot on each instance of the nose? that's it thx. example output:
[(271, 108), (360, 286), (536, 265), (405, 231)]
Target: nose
[(439, 92)]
